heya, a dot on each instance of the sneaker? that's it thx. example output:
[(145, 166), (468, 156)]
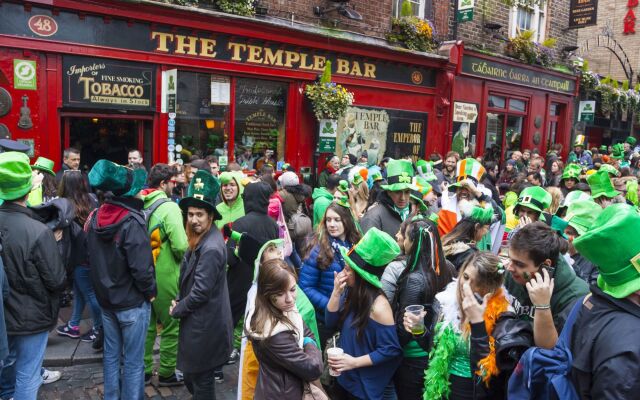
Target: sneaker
[(173, 380), (219, 376), (49, 376), (90, 336), (98, 342), (234, 357), (147, 379), (69, 331)]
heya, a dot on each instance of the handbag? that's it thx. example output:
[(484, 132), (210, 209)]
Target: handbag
[(313, 392), (283, 232)]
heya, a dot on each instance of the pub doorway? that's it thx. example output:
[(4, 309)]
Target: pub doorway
[(108, 136)]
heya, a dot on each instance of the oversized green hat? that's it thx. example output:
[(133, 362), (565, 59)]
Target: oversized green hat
[(481, 215), (202, 193), (469, 168), (601, 185), (533, 197), (120, 180), (572, 171), (15, 175), (421, 189), (613, 247), (581, 215), (573, 196), (617, 151), (44, 165), (631, 140), (425, 168), (369, 257), (609, 169), (399, 175)]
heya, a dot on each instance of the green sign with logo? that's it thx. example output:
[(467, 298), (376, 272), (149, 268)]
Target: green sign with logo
[(24, 74), (464, 13), (587, 111)]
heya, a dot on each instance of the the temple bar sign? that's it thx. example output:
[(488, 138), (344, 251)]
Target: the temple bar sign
[(510, 74)]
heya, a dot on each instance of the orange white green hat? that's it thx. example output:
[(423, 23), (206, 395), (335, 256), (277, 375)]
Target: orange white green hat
[(469, 168), (421, 189)]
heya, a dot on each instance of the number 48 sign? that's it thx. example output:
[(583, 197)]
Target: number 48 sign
[(43, 25)]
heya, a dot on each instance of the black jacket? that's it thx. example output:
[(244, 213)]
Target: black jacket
[(585, 269), (120, 255), (262, 228), (606, 349), (34, 271), (206, 329), (382, 215), (57, 214)]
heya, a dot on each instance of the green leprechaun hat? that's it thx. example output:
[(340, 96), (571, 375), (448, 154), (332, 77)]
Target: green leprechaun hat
[(617, 151), (601, 185), (399, 175), (571, 171), (44, 165), (122, 181), (369, 257), (343, 186), (610, 169), (631, 140), (533, 197), (582, 214), (612, 246), (376, 176), (604, 149), (481, 215), (572, 197), (421, 189), (580, 139), (202, 193), (469, 168), (15, 175)]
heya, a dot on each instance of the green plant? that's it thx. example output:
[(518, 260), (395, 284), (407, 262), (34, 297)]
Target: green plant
[(238, 7), (412, 32), (328, 99), (525, 49), (407, 9)]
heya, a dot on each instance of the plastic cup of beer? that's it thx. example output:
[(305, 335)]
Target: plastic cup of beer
[(333, 352), (417, 328)]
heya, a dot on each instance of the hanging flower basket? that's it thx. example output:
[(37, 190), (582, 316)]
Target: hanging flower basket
[(328, 99)]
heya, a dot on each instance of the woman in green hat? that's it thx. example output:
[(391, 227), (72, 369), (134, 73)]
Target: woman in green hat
[(368, 336), (460, 243), (45, 187)]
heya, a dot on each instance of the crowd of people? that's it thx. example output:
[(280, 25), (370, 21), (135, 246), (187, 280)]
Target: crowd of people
[(446, 278)]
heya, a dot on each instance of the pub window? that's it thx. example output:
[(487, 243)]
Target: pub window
[(259, 122), (497, 101), (525, 17), (505, 127), (201, 126), (418, 7)]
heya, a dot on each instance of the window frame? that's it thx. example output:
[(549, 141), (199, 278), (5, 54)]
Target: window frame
[(421, 8), (537, 12)]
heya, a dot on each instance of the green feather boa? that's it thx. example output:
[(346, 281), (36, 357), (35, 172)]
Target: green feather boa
[(436, 379)]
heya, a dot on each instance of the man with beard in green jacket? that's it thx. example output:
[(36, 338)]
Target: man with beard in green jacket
[(168, 244)]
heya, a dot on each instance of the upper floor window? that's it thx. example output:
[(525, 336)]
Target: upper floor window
[(417, 7), (524, 17)]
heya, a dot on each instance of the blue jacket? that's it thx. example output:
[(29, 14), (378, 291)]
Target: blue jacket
[(316, 283)]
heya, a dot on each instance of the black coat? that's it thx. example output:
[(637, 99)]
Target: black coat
[(262, 228), (606, 349), (585, 269), (34, 270), (206, 329), (382, 216)]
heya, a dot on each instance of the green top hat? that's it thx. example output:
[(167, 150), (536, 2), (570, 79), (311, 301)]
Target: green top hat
[(44, 165), (122, 181), (343, 186), (425, 168), (342, 201), (535, 198), (609, 169), (581, 215), (469, 168), (357, 179), (612, 246), (604, 149), (399, 175), (202, 193), (572, 171), (369, 257), (421, 189), (631, 140), (376, 176), (617, 151), (15, 175), (572, 197), (482, 215), (601, 185)]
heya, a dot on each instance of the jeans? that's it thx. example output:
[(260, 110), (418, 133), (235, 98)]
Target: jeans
[(124, 335), (201, 385), (21, 377), (83, 293), (409, 378)]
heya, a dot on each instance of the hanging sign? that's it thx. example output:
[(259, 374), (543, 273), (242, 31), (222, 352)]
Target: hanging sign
[(24, 74), (587, 111), (583, 13), (170, 91), (465, 10), (327, 135), (465, 112)]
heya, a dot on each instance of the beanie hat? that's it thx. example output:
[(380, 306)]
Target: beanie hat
[(289, 179)]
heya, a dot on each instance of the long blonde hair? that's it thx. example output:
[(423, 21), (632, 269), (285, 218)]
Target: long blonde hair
[(359, 198), (556, 199)]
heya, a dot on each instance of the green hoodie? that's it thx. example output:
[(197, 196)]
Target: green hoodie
[(321, 200), (236, 210)]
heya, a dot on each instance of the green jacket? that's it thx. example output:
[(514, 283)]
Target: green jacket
[(236, 210), (174, 239), (567, 289), (321, 200)]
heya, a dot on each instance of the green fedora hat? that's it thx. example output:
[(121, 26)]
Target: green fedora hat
[(612, 246), (122, 181), (571, 171), (609, 169), (399, 175), (44, 165), (420, 190), (202, 193), (617, 151), (535, 198), (369, 257), (604, 149), (376, 176), (631, 140), (601, 185), (15, 175), (343, 186), (581, 215)]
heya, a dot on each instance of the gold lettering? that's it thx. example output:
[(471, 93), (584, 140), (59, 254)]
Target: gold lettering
[(191, 45), (342, 67), (369, 70), (355, 70), (86, 81), (254, 53), (290, 58), (318, 63), (303, 61), (271, 58), (162, 40), (236, 48), (207, 48)]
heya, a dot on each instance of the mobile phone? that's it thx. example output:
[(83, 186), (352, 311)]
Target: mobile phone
[(550, 270), (478, 297)]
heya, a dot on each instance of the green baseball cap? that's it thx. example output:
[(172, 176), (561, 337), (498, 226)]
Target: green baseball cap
[(581, 215), (369, 257), (612, 246), (15, 175), (399, 175), (535, 198), (601, 185), (122, 181), (44, 165)]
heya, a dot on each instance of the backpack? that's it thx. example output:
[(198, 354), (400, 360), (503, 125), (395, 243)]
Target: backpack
[(155, 232), (546, 373)]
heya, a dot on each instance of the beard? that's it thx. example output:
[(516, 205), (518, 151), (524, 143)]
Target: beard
[(466, 206)]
